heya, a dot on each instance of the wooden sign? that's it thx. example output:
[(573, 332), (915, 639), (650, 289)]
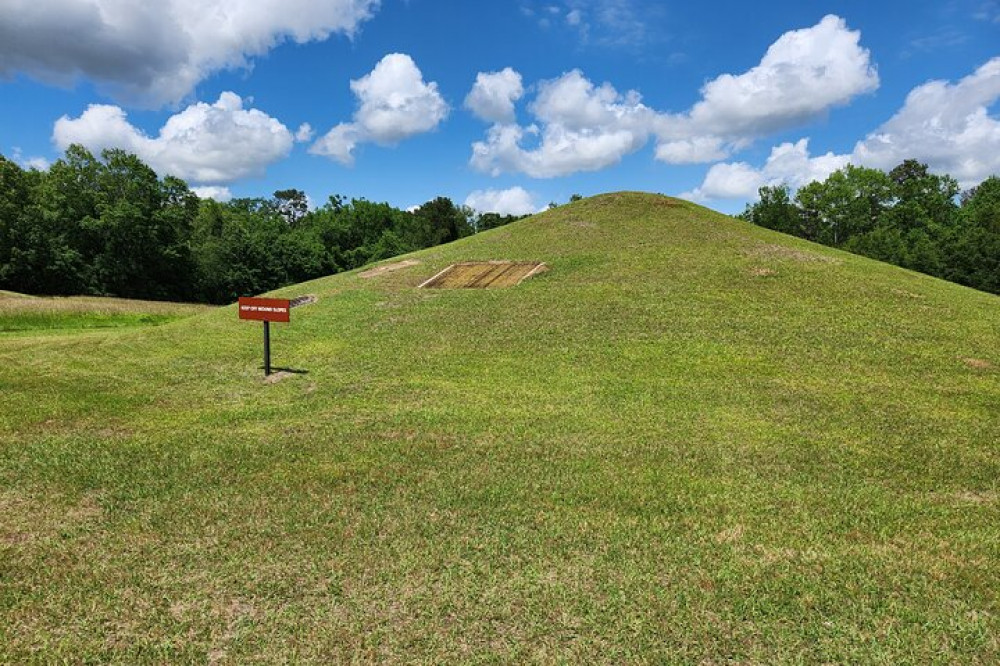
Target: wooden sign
[(265, 309)]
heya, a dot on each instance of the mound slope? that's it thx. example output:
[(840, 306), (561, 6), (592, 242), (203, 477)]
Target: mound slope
[(691, 440)]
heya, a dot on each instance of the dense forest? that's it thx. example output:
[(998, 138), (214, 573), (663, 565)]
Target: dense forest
[(109, 226), (908, 217)]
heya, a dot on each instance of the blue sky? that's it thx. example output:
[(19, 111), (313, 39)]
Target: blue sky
[(504, 105)]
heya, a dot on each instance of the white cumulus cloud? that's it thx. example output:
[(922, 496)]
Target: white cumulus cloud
[(697, 150), (947, 126), (204, 143), (156, 52), (803, 74), (304, 133), (583, 128), (788, 163), (513, 201), (580, 126), (494, 94), (217, 192), (37, 163), (394, 103)]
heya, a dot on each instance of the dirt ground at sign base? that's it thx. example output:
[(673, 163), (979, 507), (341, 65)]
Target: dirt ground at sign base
[(276, 377)]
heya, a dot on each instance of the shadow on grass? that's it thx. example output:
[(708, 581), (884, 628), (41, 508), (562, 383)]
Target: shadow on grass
[(292, 371)]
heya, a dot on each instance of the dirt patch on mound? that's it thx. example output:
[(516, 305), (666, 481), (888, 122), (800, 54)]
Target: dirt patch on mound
[(974, 497), (485, 274), (758, 271), (771, 251), (388, 268), (977, 363)]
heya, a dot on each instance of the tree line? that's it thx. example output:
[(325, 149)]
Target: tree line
[(908, 217), (109, 226)]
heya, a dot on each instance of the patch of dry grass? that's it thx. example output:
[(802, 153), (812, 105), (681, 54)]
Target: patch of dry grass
[(33, 313)]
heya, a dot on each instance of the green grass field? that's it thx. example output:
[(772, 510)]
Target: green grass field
[(690, 441)]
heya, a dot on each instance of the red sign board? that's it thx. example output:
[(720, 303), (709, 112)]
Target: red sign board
[(265, 309)]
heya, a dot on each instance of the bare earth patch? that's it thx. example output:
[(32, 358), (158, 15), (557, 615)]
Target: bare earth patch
[(276, 377), (967, 497), (907, 294), (25, 518), (484, 274), (758, 271), (771, 251), (732, 535), (977, 363), (388, 268), (971, 497)]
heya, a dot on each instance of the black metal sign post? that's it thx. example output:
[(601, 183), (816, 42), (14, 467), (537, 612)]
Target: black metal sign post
[(267, 348)]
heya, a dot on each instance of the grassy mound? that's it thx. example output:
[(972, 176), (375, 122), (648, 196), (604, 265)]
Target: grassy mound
[(691, 440)]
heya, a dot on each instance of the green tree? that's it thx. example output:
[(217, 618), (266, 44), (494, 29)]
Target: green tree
[(922, 200), (141, 230), (774, 210), (974, 254), (239, 249), (850, 202), (440, 221), (884, 243), (291, 204)]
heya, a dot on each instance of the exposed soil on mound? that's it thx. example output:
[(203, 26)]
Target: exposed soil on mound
[(772, 251), (484, 275), (388, 268)]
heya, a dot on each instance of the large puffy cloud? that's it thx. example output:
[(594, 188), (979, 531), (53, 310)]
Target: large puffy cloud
[(204, 143), (394, 103), (802, 75), (493, 96), (513, 201), (581, 126), (788, 163), (948, 126), (156, 52)]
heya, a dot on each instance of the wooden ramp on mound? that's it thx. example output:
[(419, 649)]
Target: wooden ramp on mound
[(484, 274)]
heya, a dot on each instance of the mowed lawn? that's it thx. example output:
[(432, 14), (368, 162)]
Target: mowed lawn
[(690, 441)]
